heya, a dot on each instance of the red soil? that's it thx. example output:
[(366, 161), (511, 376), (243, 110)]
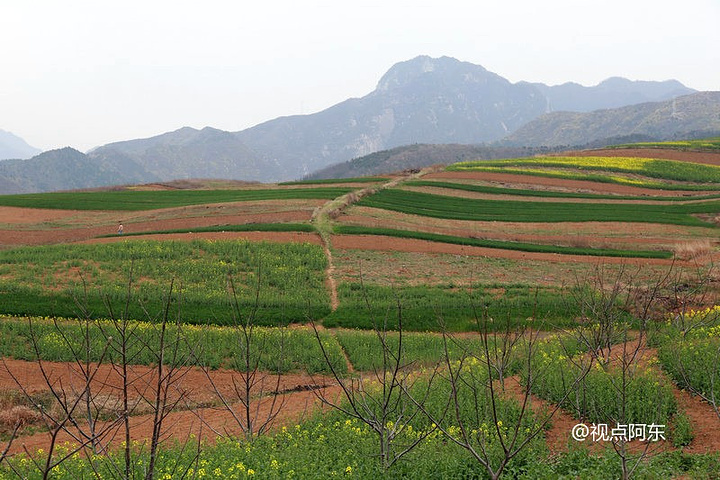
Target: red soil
[(295, 237), (42, 235), (705, 422), (297, 398), (377, 242), (569, 238), (17, 215), (195, 384)]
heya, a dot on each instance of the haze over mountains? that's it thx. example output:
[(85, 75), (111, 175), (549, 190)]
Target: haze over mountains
[(12, 146), (423, 100), (689, 116)]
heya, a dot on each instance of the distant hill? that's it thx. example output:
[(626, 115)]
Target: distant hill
[(14, 147), (418, 156), (64, 169), (689, 116), (611, 93), (191, 153)]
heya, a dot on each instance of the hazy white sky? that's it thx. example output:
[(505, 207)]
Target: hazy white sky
[(83, 73)]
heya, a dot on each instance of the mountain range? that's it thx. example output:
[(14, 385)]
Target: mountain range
[(420, 101)]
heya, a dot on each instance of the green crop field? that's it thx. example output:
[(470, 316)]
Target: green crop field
[(441, 206), (48, 281), (433, 308), (245, 227), (127, 200)]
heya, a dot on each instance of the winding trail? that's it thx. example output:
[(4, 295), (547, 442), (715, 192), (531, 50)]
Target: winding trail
[(322, 219)]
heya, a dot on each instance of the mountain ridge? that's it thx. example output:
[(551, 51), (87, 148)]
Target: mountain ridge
[(691, 116), (64, 169), (423, 100)]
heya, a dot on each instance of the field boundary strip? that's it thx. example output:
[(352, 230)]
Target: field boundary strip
[(500, 244)]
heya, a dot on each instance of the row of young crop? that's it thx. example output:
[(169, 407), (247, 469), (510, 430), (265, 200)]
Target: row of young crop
[(470, 187), (689, 350), (273, 349), (456, 208), (131, 200), (449, 307)]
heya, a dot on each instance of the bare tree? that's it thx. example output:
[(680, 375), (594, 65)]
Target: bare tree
[(478, 424), (250, 385), (17, 425), (388, 400), (160, 391), (77, 398), (608, 302), (83, 392), (124, 348), (602, 303), (167, 391), (8, 445), (628, 359), (688, 294)]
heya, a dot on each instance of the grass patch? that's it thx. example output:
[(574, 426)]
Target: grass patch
[(441, 206), (127, 200), (500, 244)]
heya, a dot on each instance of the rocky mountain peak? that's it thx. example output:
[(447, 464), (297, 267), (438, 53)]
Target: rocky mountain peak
[(425, 68)]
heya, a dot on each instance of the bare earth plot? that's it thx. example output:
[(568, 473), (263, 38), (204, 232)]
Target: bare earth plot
[(202, 411), (26, 226)]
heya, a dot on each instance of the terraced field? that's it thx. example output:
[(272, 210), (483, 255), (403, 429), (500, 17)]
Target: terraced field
[(469, 209), (539, 204), (503, 245)]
